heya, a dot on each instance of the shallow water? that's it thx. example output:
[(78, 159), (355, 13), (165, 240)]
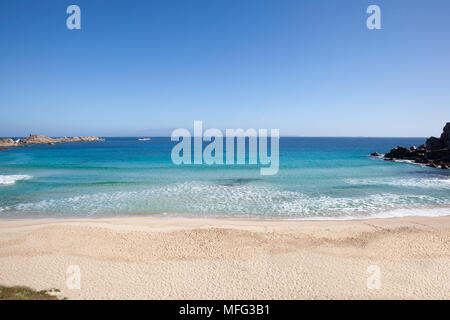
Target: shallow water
[(319, 178)]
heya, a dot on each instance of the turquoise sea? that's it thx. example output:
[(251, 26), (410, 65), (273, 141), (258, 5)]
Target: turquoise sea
[(319, 178)]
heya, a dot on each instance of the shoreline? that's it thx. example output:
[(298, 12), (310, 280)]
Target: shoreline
[(159, 217), (192, 258), (433, 212)]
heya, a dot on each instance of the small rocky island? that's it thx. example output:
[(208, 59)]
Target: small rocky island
[(434, 153), (36, 139)]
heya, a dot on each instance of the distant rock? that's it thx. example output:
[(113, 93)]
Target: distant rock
[(90, 139), (7, 142), (37, 139), (434, 153), (375, 154)]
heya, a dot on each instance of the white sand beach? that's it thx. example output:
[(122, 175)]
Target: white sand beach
[(175, 258)]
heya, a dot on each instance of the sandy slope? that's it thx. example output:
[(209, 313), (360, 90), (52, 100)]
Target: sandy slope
[(161, 258)]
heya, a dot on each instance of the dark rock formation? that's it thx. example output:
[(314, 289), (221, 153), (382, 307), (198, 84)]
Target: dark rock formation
[(434, 143), (445, 136), (36, 139), (434, 153)]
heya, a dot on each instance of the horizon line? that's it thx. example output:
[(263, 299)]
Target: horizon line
[(164, 136)]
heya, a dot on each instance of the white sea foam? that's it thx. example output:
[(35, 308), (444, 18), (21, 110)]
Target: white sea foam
[(11, 179), (250, 200), (436, 183), (394, 213)]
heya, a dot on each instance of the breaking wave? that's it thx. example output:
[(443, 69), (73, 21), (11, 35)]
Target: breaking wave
[(436, 183), (208, 199), (11, 179)]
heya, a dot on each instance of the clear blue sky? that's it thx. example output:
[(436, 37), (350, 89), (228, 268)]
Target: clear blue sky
[(309, 68)]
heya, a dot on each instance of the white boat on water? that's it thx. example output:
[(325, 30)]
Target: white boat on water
[(144, 139)]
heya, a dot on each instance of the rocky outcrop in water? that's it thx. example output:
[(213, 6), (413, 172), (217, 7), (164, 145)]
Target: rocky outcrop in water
[(6, 142), (434, 153), (445, 136), (36, 139)]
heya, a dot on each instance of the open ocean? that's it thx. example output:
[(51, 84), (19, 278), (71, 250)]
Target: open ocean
[(319, 178)]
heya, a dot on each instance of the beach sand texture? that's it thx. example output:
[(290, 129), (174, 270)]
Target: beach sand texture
[(176, 258)]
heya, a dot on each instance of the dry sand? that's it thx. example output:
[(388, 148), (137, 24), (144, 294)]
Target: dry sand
[(173, 258)]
